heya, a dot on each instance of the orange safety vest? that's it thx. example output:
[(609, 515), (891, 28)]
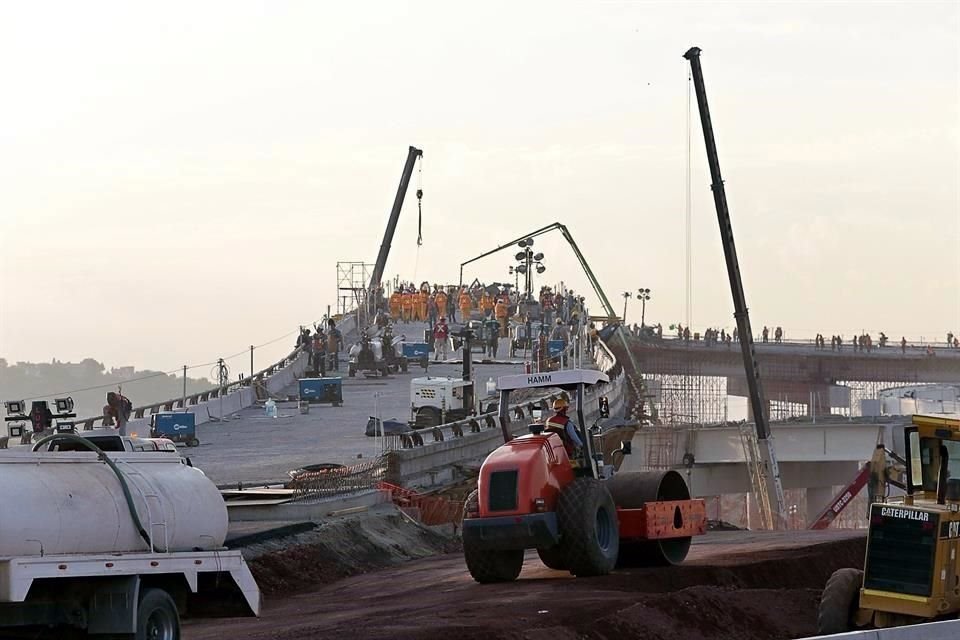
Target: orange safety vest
[(407, 301), (501, 310), (465, 301), (486, 302), (441, 300)]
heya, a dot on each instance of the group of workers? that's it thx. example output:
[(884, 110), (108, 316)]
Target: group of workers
[(322, 346)]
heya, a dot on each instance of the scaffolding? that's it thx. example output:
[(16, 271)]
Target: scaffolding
[(352, 279)]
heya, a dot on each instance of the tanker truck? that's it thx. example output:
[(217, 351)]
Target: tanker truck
[(108, 535)]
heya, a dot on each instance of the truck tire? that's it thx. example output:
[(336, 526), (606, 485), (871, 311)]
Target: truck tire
[(589, 530), (157, 617), (487, 566), (839, 601), (553, 558), (427, 417)]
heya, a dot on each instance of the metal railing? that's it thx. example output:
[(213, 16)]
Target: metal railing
[(257, 381)]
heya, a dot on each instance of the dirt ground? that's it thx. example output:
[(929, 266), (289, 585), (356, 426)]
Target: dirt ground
[(736, 584)]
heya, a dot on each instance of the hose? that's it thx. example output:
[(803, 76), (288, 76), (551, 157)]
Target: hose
[(101, 454)]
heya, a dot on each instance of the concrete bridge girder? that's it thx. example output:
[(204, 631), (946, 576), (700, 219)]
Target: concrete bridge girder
[(825, 396)]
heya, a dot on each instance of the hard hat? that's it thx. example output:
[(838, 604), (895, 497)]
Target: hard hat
[(560, 403)]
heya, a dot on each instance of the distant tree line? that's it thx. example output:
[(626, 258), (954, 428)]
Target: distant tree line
[(88, 382)]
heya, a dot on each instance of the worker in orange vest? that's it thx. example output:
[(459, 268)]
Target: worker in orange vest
[(500, 311), (422, 303), (441, 300), (396, 306), (486, 303), (466, 305), (407, 304)]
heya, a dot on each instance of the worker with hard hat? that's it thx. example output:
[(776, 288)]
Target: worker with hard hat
[(563, 426)]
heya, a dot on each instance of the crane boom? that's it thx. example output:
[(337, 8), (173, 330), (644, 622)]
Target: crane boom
[(594, 283), (741, 313), (412, 154)]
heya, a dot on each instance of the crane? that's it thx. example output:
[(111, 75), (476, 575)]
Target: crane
[(412, 155), (576, 250), (741, 313)]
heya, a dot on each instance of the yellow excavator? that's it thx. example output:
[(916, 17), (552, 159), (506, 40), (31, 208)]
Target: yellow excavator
[(912, 568)]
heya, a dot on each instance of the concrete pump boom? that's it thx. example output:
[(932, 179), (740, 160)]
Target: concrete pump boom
[(742, 315), (594, 283)]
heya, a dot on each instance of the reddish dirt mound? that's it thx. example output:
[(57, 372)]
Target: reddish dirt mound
[(740, 585)]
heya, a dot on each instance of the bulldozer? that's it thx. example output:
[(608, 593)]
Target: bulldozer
[(912, 570), (573, 507)]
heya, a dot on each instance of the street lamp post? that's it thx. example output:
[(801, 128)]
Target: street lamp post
[(626, 296), (643, 295)]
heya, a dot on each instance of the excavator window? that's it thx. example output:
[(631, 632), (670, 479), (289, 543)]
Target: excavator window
[(930, 456)]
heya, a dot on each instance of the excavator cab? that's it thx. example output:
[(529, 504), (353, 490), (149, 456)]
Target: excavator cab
[(579, 516)]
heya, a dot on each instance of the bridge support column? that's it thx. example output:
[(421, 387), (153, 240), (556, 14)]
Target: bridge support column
[(817, 499)]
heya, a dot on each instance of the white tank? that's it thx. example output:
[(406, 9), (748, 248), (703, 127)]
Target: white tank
[(70, 502)]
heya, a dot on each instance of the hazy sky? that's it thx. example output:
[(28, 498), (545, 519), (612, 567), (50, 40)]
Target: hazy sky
[(180, 179)]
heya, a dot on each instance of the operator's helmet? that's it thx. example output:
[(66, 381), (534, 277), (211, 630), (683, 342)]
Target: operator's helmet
[(560, 404)]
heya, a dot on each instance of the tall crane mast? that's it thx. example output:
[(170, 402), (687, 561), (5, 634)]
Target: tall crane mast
[(412, 155), (751, 367)]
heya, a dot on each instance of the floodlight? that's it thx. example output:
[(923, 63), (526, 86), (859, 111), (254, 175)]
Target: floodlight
[(529, 242), (521, 268), (521, 256), (538, 257), (14, 407), (541, 268), (522, 243)]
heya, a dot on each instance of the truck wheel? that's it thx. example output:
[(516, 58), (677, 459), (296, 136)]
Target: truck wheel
[(193, 442), (487, 566), (589, 531), (839, 601), (157, 617), (553, 558), (427, 417)]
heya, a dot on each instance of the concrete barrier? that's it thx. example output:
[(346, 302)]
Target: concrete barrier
[(306, 511)]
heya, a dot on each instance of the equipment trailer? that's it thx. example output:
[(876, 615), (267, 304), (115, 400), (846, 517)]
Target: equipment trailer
[(574, 510), (106, 535)]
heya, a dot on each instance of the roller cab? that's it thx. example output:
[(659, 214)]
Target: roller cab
[(536, 491)]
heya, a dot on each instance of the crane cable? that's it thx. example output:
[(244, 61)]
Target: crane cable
[(420, 203)]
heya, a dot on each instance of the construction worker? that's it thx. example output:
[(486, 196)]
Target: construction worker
[(396, 306), (407, 305), (491, 330), (500, 311), (441, 333), (422, 298), (466, 305), (563, 426), (486, 303), (441, 300)]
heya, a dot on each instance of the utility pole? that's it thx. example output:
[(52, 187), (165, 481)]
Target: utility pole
[(251, 365), (626, 296), (741, 312), (184, 401)]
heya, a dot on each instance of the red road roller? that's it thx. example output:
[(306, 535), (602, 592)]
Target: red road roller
[(550, 490)]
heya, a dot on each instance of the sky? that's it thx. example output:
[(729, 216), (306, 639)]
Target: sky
[(179, 180)]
